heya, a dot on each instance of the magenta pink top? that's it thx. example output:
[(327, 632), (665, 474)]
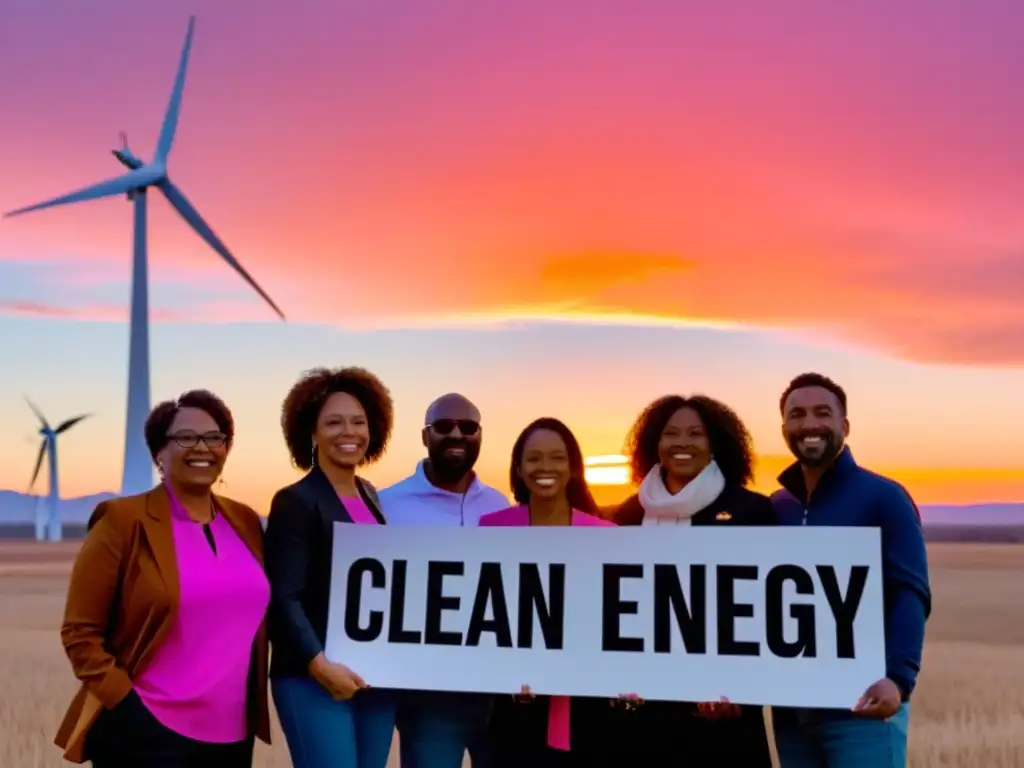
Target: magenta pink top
[(558, 707), (197, 682), (358, 511)]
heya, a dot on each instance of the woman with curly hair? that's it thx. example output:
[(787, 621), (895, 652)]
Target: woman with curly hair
[(547, 479), (165, 616), (692, 458), (334, 422)]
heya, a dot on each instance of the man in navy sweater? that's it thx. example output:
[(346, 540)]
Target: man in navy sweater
[(826, 487)]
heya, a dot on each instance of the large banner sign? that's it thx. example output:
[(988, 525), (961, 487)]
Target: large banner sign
[(778, 616)]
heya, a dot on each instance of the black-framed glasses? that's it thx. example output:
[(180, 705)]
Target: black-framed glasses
[(467, 427), (191, 439)]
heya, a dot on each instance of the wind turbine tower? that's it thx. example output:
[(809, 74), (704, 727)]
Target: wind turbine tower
[(137, 474), (49, 448)]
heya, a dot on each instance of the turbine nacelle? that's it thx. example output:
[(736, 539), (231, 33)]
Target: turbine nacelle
[(126, 157), (49, 435)]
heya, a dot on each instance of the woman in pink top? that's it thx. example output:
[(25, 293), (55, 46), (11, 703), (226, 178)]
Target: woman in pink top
[(539, 731), (164, 622), (334, 422)]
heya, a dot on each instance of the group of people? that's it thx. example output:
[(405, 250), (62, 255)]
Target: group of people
[(181, 607)]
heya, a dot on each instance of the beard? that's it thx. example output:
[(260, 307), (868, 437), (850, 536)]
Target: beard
[(450, 468), (819, 455)]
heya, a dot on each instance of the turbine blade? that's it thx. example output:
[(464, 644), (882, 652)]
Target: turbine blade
[(170, 126), (37, 412), (120, 185), (39, 464), (70, 423), (191, 215)]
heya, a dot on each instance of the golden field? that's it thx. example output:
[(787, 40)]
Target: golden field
[(968, 710)]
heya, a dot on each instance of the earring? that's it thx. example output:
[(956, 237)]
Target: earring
[(313, 454)]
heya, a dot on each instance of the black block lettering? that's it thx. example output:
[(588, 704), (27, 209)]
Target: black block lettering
[(729, 610), (438, 602), (806, 638), (354, 596), (669, 601), (397, 633), (490, 591), (844, 609), (614, 607), (550, 612)]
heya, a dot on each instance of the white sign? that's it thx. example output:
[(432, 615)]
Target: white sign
[(780, 616)]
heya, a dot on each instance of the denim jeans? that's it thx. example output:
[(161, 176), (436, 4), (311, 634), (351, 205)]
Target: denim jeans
[(838, 739), (436, 728), (322, 732)]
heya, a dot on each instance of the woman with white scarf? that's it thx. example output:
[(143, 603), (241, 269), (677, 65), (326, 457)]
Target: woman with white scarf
[(693, 457)]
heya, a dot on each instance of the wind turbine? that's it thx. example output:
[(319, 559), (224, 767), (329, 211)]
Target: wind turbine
[(49, 446), (137, 474)]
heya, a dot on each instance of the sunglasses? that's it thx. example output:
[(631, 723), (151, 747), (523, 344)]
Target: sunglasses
[(467, 427), (191, 439)]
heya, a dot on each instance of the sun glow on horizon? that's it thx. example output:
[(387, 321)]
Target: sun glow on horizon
[(609, 469)]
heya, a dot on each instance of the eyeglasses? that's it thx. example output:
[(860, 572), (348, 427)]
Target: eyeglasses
[(467, 427), (191, 439)]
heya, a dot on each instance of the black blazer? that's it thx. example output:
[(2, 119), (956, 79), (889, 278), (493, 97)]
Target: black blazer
[(669, 732), (297, 547)]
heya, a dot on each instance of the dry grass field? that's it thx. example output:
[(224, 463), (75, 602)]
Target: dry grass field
[(968, 711)]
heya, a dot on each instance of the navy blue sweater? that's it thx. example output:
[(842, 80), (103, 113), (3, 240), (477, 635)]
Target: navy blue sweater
[(848, 494)]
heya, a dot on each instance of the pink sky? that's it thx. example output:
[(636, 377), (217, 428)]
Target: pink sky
[(847, 175)]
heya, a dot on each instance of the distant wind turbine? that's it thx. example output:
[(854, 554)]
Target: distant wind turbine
[(49, 446), (137, 474)]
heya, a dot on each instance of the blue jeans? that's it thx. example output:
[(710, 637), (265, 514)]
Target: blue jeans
[(839, 739), (436, 728), (324, 733)]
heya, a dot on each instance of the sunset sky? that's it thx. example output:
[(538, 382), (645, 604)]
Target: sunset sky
[(560, 209)]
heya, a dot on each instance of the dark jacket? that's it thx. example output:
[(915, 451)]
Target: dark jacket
[(670, 733), (848, 494), (299, 541)]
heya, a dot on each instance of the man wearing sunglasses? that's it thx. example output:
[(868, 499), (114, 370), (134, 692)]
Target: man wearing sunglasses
[(436, 728)]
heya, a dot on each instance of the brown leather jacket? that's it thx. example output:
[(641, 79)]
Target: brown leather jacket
[(125, 582)]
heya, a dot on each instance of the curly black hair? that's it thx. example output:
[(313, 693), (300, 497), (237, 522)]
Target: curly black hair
[(577, 490), (159, 421), (306, 398), (731, 444), (813, 380)]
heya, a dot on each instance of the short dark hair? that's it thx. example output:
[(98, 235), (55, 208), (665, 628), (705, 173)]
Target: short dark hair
[(805, 380), (731, 444), (577, 491), (158, 424), (306, 398)]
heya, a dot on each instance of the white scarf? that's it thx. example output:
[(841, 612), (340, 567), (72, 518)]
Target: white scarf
[(664, 508)]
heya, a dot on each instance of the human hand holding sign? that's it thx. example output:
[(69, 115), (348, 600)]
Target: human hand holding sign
[(627, 701), (524, 696), (880, 701), (340, 681), (715, 710)]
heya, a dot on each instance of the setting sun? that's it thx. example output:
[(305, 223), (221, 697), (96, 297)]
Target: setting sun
[(611, 469)]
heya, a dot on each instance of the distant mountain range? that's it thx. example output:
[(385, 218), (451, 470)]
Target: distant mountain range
[(20, 509)]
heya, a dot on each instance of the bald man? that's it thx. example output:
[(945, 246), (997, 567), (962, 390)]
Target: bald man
[(444, 489), (437, 727)]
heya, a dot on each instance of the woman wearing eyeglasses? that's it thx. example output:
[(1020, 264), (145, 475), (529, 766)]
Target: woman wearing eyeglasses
[(164, 622)]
